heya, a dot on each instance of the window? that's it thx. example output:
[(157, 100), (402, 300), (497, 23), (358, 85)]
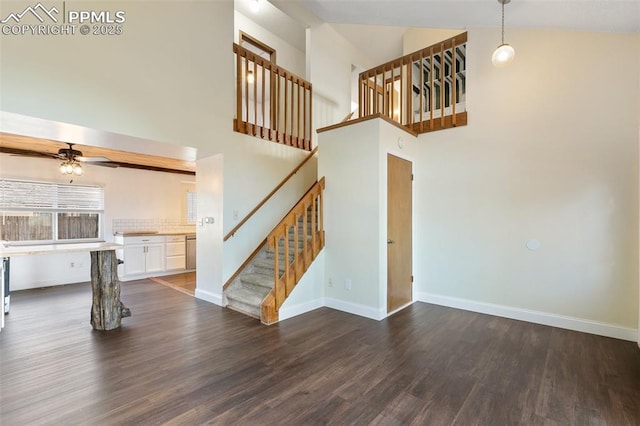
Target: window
[(42, 212), (192, 202)]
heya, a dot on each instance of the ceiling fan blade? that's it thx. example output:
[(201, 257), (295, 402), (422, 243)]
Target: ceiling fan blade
[(107, 163), (91, 159), (27, 153)]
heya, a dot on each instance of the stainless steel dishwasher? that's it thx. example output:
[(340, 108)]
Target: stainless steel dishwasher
[(191, 251)]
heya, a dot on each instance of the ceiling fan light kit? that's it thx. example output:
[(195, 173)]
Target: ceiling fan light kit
[(70, 165), (504, 54)]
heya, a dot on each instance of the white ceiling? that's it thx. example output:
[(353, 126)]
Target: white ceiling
[(376, 27), (581, 15)]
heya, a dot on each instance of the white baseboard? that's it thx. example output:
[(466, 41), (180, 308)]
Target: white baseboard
[(208, 296), (299, 309), (355, 309), (537, 317)]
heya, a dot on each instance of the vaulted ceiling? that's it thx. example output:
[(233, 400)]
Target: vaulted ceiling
[(376, 27), (580, 15)]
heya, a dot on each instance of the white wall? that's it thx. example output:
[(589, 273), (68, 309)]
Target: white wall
[(353, 160), (308, 293), (550, 154), (166, 78), (155, 196), (209, 244), (330, 59)]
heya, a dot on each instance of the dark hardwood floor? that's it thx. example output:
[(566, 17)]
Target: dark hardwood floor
[(179, 360)]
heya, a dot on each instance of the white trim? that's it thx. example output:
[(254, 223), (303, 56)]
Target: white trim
[(355, 309), (537, 317), (299, 309), (208, 296)]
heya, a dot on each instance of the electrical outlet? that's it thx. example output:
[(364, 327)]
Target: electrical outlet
[(72, 265), (330, 282), (347, 284)]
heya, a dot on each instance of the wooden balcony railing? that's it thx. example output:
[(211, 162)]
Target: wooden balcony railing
[(271, 102), (424, 90), (295, 242)]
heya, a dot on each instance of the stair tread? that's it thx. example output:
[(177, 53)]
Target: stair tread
[(246, 296), (260, 280)]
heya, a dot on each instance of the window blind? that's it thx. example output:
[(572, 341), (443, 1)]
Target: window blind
[(192, 202), (19, 194)]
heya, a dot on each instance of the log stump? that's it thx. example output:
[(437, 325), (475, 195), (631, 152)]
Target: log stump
[(107, 310)]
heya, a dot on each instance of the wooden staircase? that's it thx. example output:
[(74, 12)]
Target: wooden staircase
[(257, 289)]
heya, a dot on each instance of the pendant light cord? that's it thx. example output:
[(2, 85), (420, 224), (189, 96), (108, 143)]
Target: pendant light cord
[(502, 2)]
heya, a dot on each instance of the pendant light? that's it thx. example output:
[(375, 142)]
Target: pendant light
[(504, 54)]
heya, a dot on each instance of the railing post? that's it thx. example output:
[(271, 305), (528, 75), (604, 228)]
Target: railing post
[(432, 95), (321, 230), (310, 117), (454, 82), (313, 226), (238, 92), (287, 266), (296, 248), (305, 226)]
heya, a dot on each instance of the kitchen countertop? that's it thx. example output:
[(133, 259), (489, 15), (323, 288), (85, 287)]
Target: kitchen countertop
[(55, 248), (150, 233)]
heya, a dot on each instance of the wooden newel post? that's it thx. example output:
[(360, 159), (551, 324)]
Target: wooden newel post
[(107, 310)]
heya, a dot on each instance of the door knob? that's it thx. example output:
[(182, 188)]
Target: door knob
[(390, 241)]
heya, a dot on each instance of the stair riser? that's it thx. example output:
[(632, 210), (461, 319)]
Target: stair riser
[(256, 287), (252, 310)]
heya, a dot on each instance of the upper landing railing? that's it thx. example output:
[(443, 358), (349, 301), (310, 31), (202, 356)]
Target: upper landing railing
[(424, 91), (271, 102)]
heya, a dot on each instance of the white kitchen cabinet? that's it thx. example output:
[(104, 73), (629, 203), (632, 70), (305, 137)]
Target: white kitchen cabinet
[(135, 259), (155, 258), (175, 252), (143, 256)]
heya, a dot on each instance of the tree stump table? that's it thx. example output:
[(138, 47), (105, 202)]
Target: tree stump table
[(107, 310)]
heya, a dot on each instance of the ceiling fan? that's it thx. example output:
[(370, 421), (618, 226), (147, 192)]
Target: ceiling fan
[(71, 154), (72, 158)]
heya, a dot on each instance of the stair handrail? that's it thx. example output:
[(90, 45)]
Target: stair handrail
[(271, 194)]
